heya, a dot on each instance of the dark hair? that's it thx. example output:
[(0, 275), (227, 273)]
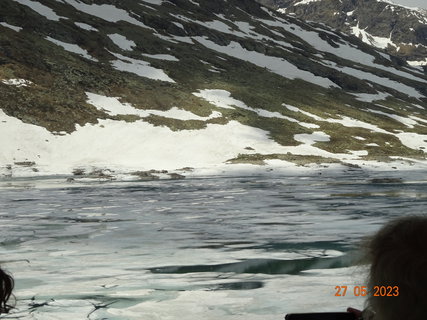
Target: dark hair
[(398, 257), (6, 287)]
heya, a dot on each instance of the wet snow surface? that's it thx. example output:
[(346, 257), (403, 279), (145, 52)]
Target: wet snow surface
[(208, 248)]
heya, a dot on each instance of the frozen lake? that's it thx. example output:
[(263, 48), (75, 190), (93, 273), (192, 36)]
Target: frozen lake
[(201, 248)]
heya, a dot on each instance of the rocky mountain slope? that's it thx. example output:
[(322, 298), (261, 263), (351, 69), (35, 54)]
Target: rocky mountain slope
[(103, 86), (399, 30)]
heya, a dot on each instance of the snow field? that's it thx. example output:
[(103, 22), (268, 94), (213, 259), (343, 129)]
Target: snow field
[(41, 9), (120, 144), (122, 42), (141, 146), (114, 107), (139, 67), (274, 64)]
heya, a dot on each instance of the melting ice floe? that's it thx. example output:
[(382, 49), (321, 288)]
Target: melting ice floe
[(120, 234)]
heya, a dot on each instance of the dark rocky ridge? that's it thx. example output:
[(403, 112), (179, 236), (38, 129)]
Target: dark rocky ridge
[(407, 28)]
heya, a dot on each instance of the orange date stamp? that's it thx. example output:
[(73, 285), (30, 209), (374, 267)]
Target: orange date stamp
[(362, 291)]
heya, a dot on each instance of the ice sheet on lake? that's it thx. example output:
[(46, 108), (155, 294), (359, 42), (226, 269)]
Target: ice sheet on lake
[(114, 250)]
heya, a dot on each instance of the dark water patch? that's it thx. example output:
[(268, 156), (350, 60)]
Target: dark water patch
[(25, 200), (299, 246), (279, 223), (217, 245), (264, 266), (386, 180), (399, 193), (94, 220), (244, 285)]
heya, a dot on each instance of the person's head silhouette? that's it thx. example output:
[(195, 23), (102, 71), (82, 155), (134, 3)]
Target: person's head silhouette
[(6, 287), (397, 283)]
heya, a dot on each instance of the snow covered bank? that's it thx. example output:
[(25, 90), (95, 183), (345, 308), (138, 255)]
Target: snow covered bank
[(124, 147)]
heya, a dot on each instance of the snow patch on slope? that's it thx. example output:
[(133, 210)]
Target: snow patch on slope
[(155, 2), (17, 82), (70, 47), (122, 42), (106, 12), (121, 145), (223, 99), (139, 67), (406, 121), (85, 26), (41, 9), (160, 56), (413, 140), (305, 2), (345, 49), (114, 107), (379, 42), (418, 62), (368, 97), (14, 28), (276, 65)]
